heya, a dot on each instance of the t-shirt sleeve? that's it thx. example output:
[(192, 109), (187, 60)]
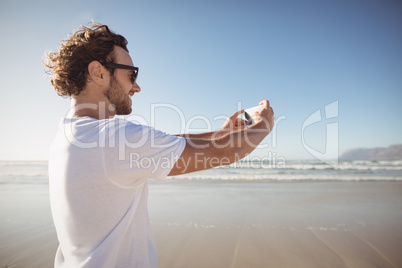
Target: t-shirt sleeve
[(138, 152)]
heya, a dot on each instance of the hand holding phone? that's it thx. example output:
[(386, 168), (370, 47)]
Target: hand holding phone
[(249, 114)]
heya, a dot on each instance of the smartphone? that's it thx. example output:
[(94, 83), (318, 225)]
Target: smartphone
[(249, 114)]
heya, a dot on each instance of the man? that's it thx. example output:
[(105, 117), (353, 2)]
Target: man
[(99, 164)]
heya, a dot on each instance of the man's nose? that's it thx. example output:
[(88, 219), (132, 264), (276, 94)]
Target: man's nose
[(136, 87)]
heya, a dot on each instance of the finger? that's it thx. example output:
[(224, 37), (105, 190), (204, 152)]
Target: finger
[(265, 103), (236, 114), (240, 122)]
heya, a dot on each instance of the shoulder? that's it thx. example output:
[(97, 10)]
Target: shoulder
[(123, 125), (130, 131)]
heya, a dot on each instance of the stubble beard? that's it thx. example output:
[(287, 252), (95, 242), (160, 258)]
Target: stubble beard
[(118, 98)]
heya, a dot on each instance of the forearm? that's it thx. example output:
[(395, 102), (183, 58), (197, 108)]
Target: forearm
[(202, 154), (241, 143), (205, 136), (232, 124), (223, 147)]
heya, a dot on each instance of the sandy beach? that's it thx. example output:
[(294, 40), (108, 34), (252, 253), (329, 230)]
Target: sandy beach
[(234, 224)]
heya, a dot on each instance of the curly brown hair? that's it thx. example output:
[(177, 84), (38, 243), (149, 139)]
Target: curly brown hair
[(69, 66)]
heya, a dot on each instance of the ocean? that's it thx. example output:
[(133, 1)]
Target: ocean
[(35, 172)]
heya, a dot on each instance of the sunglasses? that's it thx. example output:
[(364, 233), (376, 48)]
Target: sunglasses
[(112, 65)]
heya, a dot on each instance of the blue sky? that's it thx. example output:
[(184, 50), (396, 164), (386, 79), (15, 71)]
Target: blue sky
[(207, 58)]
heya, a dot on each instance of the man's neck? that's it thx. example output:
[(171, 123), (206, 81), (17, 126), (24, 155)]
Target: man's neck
[(99, 109)]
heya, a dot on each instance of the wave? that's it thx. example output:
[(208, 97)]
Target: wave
[(282, 178), (25, 174), (23, 163), (309, 165), (243, 171), (288, 179)]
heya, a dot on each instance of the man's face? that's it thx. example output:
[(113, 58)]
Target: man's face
[(119, 97), (121, 87)]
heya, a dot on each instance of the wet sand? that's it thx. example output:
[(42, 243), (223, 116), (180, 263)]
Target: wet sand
[(221, 224), (331, 224)]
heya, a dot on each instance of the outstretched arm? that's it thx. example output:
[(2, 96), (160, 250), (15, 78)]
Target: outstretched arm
[(232, 124), (200, 154)]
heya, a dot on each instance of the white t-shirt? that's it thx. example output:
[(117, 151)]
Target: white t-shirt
[(98, 171)]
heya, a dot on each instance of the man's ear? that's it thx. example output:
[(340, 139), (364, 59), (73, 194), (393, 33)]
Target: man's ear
[(96, 73)]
